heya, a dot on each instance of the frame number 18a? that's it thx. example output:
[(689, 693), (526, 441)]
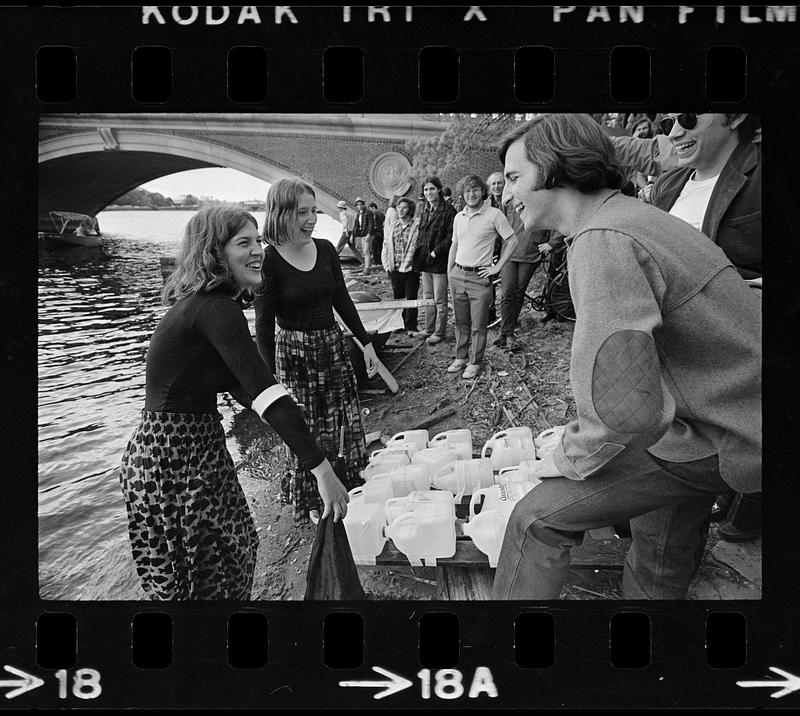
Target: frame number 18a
[(449, 683)]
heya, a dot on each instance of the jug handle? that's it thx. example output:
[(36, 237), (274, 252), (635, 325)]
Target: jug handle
[(387, 530), (501, 434), (438, 438), (356, 491), (486, 447), (472, 502)]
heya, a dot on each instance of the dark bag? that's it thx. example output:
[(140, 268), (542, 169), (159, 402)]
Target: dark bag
[(331, 570)]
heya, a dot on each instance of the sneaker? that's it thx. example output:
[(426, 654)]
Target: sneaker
[(433, 340), (456, 365), (730, 533), (472, 371), (501, 341), (422, 335)]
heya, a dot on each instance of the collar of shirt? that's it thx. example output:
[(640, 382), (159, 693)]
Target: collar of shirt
[(466, 211)]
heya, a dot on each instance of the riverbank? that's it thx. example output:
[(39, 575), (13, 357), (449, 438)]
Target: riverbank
[(531, 384)]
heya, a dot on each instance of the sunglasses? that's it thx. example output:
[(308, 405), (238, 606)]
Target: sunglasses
[(687, 121)]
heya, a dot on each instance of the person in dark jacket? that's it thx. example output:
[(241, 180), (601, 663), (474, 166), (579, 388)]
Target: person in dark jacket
[(378, 219), (364, 229), (435, 238)]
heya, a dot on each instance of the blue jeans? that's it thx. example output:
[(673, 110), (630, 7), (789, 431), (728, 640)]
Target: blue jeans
[(434, 285), (668, 504), (514, 279)]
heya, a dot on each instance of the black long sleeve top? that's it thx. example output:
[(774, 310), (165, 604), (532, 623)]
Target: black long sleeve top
[(435, 235), (201, 347), (302, 300)]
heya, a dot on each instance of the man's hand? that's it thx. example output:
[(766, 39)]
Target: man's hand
[(545, 249), (489, 271), (545, 467)]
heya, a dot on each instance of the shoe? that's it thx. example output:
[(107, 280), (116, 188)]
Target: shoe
[(456, 365), (513, 344), (501, 341), (729, 533), (472, 371), (433, 340), (422, 335)]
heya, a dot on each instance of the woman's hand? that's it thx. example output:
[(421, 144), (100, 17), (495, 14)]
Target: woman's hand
[(331, 490), (370, 360)]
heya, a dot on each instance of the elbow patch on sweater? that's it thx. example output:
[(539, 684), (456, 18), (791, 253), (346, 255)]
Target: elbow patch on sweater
[(626, 382)]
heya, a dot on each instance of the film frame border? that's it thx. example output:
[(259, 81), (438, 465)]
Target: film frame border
[(678, 673)]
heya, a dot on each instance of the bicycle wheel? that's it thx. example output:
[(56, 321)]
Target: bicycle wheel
[(559, 298)]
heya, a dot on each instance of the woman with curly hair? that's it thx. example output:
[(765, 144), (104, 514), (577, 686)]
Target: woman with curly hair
[(191, 532), (302, 286)]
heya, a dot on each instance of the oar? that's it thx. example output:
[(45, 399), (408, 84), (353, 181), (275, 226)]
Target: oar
[(383, 371)]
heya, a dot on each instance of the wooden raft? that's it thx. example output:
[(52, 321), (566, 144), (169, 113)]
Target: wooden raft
[(467, 575)]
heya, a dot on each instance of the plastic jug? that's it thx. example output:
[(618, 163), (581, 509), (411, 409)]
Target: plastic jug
[(524, 472), (418, 474), (463, 477), (449, 437), (508, 450), (424, 536), (384, 461), (547, 440), (487, 531), (499, 496), (390, 452), (419, 500), (418, 437), (463, 451), (434, 458), (364, 524)]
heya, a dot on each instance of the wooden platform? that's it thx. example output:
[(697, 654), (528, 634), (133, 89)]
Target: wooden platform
[(467, 575)]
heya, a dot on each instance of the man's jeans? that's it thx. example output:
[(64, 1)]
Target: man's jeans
[(434, 285), (668, 504), (471, 297), (514, 279), (405, 285)]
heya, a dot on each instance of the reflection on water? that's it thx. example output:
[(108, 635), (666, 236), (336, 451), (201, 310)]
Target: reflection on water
[(97, 309)]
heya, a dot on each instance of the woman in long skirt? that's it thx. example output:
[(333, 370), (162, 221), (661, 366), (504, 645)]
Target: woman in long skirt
[(192, 535), (303, 285)]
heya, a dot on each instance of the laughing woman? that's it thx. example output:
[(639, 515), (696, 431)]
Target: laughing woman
[(191, 531), (303, 285)]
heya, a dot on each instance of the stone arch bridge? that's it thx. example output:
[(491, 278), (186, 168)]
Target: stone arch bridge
[(88, 160)]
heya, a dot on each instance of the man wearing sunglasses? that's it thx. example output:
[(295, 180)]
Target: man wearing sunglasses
[(716, 186), (665, 371)]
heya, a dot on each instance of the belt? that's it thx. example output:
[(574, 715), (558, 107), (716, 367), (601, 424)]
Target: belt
[(469, 268)]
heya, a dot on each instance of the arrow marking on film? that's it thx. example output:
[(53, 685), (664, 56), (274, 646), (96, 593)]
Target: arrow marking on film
[(791, 683), (392, 686), (26, 683)]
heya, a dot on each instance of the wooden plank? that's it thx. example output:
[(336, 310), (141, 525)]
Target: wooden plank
[(592, 554), (464, 584), (395, 303)]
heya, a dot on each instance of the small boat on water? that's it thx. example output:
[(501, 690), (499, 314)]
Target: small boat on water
[(73, 228)]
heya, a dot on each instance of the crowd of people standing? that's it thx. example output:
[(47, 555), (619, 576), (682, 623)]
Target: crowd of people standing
[(660, 290)]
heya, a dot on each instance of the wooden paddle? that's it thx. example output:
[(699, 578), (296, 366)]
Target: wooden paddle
[(383, 371)]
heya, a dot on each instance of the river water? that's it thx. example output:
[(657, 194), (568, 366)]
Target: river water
[(97, 308)]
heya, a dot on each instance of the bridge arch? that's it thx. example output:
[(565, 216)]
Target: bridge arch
[(134, 157)]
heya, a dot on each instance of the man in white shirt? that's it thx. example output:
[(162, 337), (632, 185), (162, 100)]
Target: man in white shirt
[(471, 271)]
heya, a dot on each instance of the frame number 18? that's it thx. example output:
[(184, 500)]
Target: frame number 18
[(448, 683)]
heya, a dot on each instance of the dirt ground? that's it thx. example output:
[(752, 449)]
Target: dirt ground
[(530, 385)]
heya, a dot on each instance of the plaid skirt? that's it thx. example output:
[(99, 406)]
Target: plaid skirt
[(315, 368), (192, 535)]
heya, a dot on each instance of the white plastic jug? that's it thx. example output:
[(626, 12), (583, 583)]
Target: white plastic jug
[(487, 531), (418, 437), (450, 437), (499, 496), (524, 472), (425, 535), (508, 450), (463, 477), (462, 450), (390, 452), (419, 500), (420, 475), (385, 461), (364, 524), (547, 440), (376, 491), (434, 458)]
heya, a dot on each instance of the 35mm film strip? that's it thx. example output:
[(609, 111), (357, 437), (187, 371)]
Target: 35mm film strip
[(100, 100)]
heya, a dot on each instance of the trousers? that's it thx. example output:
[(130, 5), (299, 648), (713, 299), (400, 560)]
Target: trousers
[(434, 285), (515, 277), (471, 297), (668, 505)]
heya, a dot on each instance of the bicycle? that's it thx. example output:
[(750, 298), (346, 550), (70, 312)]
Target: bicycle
[(554, 296)]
